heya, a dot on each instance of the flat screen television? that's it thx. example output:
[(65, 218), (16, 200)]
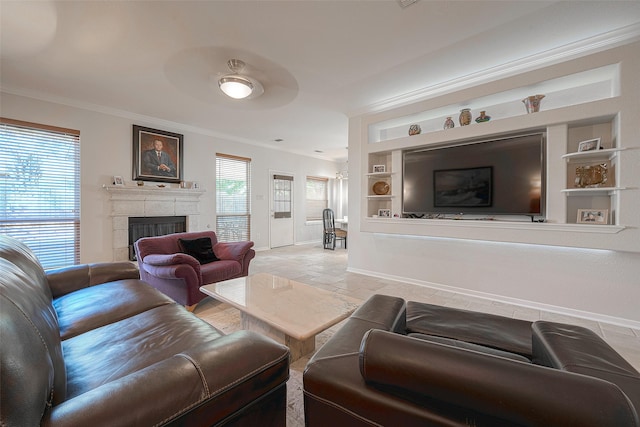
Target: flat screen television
[(501, 176)]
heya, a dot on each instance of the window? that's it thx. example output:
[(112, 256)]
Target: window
[(316, 197), (40, 190), (282, 196), (233, 198)]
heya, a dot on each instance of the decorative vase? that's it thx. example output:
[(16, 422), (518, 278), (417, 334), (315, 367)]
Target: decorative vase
[(414, 129), (533, 103), (483, 117), (465, 116), (449, 124)]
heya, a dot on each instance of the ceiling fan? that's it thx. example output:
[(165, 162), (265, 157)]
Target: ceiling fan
[(239, 86)]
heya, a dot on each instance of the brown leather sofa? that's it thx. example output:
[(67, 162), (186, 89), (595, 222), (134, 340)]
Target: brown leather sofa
[(397, 363), (92, 345), (166, 266)]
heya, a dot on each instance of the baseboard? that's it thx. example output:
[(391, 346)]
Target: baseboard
[(597, 317)]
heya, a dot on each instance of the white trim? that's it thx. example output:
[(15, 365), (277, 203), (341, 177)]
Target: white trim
[(584, 47), (500, 298)]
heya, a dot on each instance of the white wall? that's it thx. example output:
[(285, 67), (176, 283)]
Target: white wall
[(106, 150), (601, 284)]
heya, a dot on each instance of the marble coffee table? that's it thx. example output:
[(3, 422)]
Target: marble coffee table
[(285, 310)]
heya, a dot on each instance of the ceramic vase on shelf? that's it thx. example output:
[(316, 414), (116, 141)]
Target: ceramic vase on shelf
[(414, 130), (483, 117), (532, 103), (465, 116), (449, 124)]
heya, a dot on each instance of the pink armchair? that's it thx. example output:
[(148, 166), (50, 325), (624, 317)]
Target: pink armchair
[(164, 265)]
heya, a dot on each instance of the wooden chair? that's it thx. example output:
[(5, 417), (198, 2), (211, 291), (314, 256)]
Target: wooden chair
[(331, 234)]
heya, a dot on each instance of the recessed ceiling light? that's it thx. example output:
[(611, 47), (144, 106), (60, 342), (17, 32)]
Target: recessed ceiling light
[(319, 151), (278, 140)]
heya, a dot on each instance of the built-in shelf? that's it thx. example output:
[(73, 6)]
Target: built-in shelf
[(584, 88), (608, 153), (381, 197), (497, 224), (600, 191), (379, 174)]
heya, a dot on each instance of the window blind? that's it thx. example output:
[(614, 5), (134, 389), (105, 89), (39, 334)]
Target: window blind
[(40, 190), (317, 199), (233, 198)]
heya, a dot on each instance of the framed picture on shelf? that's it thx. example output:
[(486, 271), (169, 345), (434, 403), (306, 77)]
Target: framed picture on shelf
[(593, 216), (157, 155), (379, 168), (118, 181), (589, 145), (384, 213)]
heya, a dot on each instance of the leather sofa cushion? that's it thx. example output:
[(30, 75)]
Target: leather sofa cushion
[(380, 312), (576, 349), (503, 333), (32, 320), (96, 306), (490, 390), (471, 346), (118, 349)]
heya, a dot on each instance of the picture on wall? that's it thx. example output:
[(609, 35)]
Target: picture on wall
[(469, 187), (157, 155)]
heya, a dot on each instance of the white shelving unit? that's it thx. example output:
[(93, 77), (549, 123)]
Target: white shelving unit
[(601, 197), (577, 107)]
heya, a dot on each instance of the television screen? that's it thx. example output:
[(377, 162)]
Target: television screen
[(490, 177)]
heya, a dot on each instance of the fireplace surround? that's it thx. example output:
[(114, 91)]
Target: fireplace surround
[(146, 201)]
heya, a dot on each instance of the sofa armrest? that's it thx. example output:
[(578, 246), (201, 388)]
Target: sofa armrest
[(232, 250), (171, 259), (201, 386), (488, 385), (68, 279)]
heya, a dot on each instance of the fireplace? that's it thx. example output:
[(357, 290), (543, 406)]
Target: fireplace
[(151, 202), (151, 226)]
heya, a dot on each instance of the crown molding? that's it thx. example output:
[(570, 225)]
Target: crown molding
[(588, 46), (149, 121)]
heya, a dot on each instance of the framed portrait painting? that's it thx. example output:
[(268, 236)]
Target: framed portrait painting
[(157, 155)]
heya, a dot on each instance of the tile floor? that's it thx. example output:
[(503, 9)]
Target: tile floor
[(326, 269)]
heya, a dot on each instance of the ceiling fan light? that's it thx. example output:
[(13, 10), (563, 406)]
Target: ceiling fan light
[(235, 86)]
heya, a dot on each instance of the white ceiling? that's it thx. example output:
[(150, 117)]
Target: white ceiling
[(319, 61)]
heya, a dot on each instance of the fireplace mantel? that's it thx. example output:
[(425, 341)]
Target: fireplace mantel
[(143, 201), (146, 190)]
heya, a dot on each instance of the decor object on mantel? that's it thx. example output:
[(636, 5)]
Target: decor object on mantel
[(465, 117), (414, 130), (532, 103), (449, 124), (483, 117)]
